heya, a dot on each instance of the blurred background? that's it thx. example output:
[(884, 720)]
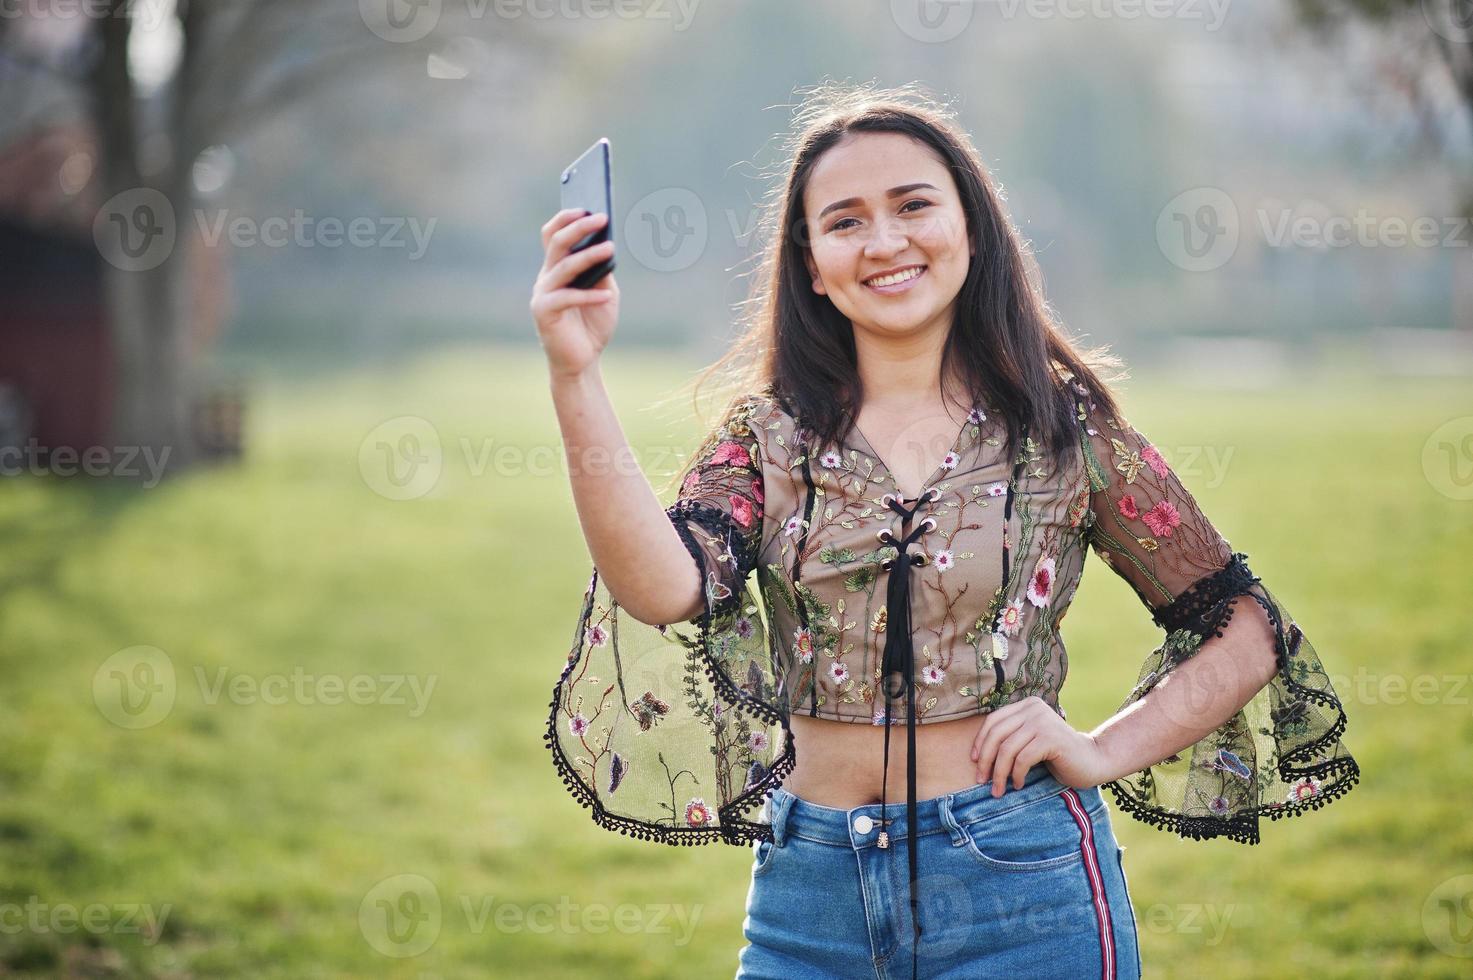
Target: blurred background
[(291, 564)]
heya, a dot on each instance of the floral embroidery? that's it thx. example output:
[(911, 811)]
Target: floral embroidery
[(1012, 617), (649, 709), (618, 769), (1041, 585), (1153, 460), (1304, 789), (742, 510), (1162, 519), (697, 813), (730, 454), (803, 645)]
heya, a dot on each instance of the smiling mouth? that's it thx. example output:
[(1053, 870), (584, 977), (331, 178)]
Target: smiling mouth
[(896, 281)]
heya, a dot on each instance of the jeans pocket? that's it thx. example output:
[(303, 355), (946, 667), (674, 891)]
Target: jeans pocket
[(1040, 835), (762, 851)]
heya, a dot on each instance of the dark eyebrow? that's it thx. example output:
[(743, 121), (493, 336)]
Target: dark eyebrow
[(850, 202)]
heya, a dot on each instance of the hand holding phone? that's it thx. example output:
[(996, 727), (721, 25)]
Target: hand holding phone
[(575, 323)]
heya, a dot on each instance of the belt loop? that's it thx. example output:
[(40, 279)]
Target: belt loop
[(958, 835), (778, 805)]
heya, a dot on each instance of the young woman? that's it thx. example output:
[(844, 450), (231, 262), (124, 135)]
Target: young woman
[(915, 462)]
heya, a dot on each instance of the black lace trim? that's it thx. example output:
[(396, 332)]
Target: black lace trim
[(1204, 609), (734, 828), (1204, 597), (720, 524)]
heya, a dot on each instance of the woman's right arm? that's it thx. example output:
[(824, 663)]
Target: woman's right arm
[(638, 553)]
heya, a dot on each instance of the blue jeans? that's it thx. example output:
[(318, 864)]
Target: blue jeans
[(1028, 884)]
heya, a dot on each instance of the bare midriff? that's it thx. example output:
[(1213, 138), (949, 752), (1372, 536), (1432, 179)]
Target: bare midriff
[(841, 764)]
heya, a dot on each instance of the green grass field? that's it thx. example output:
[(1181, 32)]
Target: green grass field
[(255, 827)]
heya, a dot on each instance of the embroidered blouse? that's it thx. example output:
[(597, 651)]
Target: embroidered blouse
[(676, 733)]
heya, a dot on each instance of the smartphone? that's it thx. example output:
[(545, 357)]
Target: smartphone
[(588, 184)]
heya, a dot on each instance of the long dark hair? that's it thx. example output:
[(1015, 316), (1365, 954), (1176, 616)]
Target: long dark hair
[(1005, 344)]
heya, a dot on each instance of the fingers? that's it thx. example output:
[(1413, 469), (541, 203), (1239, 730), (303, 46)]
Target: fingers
[(1008, 757), (559, 220), (996, 728), (569, 267), (548, 304), (1027, 757), (565, 232)]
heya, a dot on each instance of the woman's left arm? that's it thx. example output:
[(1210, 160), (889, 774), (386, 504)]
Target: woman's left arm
[(1233, 715), (1191, 702)]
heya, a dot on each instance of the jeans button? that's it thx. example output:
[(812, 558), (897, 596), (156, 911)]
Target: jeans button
[(863, 824)]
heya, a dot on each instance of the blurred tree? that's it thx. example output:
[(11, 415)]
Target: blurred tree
[(1423, 54), (163, 82)]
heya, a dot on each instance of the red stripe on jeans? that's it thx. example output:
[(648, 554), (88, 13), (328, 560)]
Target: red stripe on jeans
[(1096, 882)]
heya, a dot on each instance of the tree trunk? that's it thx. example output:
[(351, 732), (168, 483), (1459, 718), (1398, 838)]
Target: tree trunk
[(146, 293), (151, 396)]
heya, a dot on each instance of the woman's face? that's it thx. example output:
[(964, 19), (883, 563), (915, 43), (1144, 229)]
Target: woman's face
[(877, 203)]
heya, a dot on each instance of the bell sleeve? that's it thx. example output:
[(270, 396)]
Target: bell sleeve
[(673, 733), (1280, 755)]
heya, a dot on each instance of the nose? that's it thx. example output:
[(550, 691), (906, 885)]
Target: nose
[(888, 238)]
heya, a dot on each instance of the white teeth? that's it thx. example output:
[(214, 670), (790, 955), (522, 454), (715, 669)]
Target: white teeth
[(896, 278)]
